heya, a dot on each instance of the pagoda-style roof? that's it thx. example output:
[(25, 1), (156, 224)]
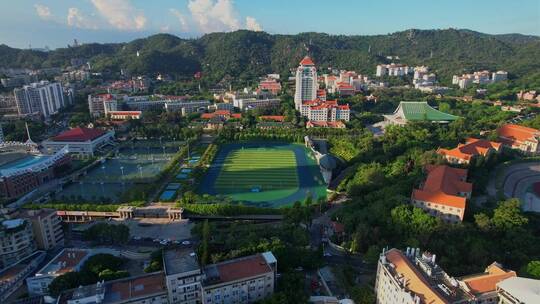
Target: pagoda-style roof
[(419, 111)]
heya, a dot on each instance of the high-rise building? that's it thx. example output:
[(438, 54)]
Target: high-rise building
[(306, 82), (41, 97), (47, 227)]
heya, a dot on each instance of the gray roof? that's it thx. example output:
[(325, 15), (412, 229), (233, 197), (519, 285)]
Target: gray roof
[(523, 289), (327, 162), (180, 260)]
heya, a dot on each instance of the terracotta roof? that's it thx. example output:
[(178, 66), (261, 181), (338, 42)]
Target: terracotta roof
[(279, 118), (222, 113), (415, 280), (241, 268), (67, 261), (325, 124), (79, 134), (307, 61), (486, 282), (442, 185), (516, 133), (471, 148)]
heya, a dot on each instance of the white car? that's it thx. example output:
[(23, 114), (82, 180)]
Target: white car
[(137, 238), (164, 242), (186, 243)]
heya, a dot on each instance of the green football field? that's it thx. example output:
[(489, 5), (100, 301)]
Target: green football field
[(271, 171)]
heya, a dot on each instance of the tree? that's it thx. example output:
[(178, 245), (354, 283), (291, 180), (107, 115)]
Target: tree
[(205, 243), (533, 269), (483, 221), (508, 215), (64, 282)]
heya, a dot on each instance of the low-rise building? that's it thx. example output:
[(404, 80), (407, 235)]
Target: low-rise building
[(326, 124), (243, 280), (12, 278), (392, 69), (412, 277), (417, 111), (124, 115), (516, 290), (270, 85), (519, 137), (68, 260), (329, 110), (473, 147), (528, 95), (444, 193), (83, 141), (144, 289), (483, 285), (245, 104)]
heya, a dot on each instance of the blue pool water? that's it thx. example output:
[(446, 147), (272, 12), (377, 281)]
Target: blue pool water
[(24, 162)]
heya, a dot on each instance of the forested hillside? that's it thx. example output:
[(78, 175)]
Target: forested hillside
[(244, 54)]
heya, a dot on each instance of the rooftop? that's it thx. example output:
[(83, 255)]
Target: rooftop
[(510, 133), (180, 260), (66, 261), (307, 61), (442, 186), (471, 148), (422, 111), (118, 290), (79, 134), (525, 290), (487, 281), (237, 269)]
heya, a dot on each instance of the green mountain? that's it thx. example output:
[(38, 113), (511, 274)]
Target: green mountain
[(245, 54)]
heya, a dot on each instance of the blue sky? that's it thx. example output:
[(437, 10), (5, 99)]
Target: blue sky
[(55, 23)]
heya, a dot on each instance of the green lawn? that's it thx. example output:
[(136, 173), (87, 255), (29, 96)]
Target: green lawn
[(272, 170)]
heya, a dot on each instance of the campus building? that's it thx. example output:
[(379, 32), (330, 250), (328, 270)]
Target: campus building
[(96, 104), (144, 289), (23, 175), (413, 277), (16, 241), (243, 280), (245, 104), (330, 110), (306, 82), (41, 97), (516, 290), (83, 141), (520, 138), (68, 260), (12, 278), (124, 115), (392, 69), (416, 111), (473, 147), (183, 276), (270, 85), (444, 193)]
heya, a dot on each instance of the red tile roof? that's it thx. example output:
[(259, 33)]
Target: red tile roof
[(307, 61), (442, 186), (471, 148), (279, 118), (79, 134), (325, 124), (242, 268), (511, 134), (223, 113), (487, 282)]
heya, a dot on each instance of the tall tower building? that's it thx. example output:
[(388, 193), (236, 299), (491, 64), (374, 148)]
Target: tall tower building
[(41, 97), (306, 82)]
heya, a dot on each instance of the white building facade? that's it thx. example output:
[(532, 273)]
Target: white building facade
[(41, 97), (306, 82)]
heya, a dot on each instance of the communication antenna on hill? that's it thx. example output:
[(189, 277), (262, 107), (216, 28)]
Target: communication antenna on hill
[(431, 55), (369, 49), (138, 54)]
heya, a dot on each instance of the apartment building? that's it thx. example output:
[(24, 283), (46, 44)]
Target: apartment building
[(183, 275), (480, 77), (42, 97), (444, 193), (16, 241), (47, 228), (187, 107), (243, 280), (393, 69), (473, 147), (520, 138), (254, 103), (96, 104)]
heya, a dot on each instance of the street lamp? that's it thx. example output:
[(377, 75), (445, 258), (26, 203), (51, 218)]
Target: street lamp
[(140, 170), (122, 169)]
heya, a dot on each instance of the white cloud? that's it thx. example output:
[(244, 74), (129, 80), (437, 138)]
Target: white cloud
[(214, 16), (75, 18), (44, 12), (181, 18), (252, 24), (165, 29), (121, 14)]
